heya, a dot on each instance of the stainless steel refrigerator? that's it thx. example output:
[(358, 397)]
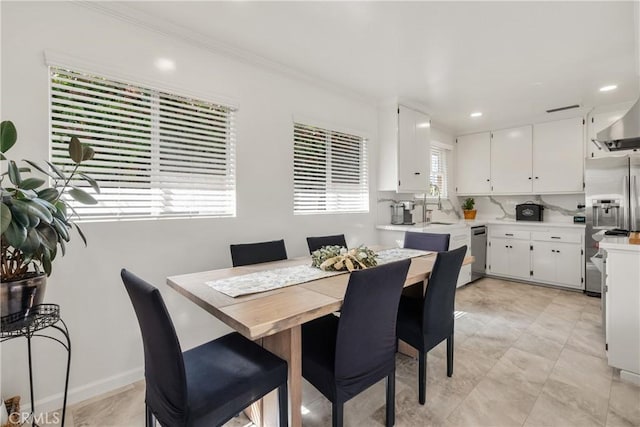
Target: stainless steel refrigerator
[(612, 201)]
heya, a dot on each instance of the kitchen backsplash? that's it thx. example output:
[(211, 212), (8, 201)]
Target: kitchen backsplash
[(557, 207)]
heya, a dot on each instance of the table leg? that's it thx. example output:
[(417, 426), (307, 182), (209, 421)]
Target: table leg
[(407, 350), (288, 345), (416, 290)]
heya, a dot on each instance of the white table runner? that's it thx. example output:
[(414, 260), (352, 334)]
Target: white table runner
[(268, 280)]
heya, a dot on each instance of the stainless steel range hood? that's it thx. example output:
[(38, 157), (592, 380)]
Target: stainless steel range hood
[(624, 134)]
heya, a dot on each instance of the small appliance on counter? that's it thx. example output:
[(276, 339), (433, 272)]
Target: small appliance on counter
[(396, 213), (529, 211), (401, 213)]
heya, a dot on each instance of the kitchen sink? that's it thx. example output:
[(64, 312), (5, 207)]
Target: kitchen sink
[(441, 223)]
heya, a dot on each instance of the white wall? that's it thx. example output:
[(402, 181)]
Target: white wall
[(637, 24), (107, 350)]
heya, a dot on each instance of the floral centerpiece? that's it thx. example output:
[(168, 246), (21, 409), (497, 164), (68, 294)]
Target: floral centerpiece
[(337, 258)]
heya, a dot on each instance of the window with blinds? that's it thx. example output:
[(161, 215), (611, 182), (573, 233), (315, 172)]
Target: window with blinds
[(439, 172), (157, 154), (329, 171)]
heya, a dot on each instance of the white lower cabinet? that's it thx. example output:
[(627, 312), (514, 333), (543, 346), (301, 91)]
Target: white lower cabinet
[(549, 256), (457, 239), (557, 263), (509, 257), (557, 258), (544, 262), (622, 299)]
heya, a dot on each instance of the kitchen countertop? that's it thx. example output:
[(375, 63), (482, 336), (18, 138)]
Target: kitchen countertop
[(537, 224), (421, 226), (475, 223), (619, 244)]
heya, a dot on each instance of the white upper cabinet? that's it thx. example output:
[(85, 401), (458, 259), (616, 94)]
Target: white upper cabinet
[(405, 148), (544, 158), (473, 163), (511, 166), (558, 164)]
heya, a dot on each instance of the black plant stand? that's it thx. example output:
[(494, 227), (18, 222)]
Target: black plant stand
[(30, 325)]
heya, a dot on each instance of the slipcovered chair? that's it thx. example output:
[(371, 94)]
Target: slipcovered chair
[(426, 241), (207, 385), (256, 253), (343, 356), (316, 243), (425, 322)]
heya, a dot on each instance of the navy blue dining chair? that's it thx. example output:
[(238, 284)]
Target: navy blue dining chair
[(426, 241), (425, 322), (207, 385), (256, 253), (343, 356), (316, 243)]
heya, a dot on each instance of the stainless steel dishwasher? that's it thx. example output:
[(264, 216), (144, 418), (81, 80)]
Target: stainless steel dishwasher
[(479, 251)]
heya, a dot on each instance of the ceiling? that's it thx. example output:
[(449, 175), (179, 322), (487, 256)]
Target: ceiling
[(509, 60)]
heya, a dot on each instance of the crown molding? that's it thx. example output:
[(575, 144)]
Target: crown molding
[(123, 12)]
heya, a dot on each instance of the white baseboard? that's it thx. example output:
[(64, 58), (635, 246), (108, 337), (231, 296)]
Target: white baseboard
[(86, 391), (630, 377)]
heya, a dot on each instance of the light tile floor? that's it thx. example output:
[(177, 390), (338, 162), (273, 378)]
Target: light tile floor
[(525, 356)]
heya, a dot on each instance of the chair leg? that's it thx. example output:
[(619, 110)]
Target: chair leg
[(336, 414), (422, 377), (150, 420), (391, 399), (450, 355), (283, 405)]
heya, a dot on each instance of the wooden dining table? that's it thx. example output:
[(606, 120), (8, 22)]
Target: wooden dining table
[(274, 318)]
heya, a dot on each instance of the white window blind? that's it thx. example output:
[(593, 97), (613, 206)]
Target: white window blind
[(329, 171), (157, 154), (439, 171)]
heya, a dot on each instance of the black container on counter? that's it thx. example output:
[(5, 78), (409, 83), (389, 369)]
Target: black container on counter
[(529, 211)]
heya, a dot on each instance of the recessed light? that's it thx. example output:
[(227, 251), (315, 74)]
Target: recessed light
[(476, 114), (165, 64), (608, 88)]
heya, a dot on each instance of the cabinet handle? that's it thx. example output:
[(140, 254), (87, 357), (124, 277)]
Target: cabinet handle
[(537, 177), (508, 234), (488, 180), (416, 173), (510, 247), (529, 177), (557, 252), (553, 250), (556, 237), (507, 246)]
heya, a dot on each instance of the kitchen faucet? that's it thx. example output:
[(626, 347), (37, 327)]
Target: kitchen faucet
[(433, 190)]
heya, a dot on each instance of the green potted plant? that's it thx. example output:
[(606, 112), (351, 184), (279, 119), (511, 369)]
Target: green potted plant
[(468, 208), (36, 220)]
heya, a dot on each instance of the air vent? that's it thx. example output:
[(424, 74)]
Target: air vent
[(568, 107)]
